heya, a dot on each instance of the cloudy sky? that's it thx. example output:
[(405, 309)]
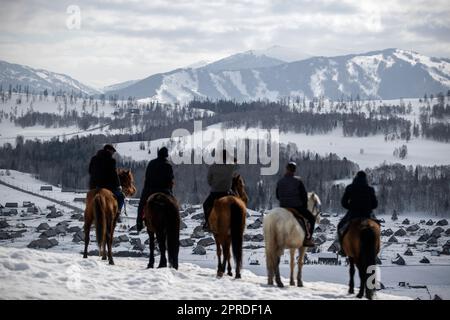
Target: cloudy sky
[(124, 40)]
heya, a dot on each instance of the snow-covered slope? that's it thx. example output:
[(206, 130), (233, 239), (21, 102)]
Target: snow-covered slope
[(38, 80), (32, 274), (246, 60), (54, 270), (386, 74), (120, 85)]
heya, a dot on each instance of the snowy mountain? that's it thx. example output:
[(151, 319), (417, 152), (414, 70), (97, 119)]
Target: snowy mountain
[(120, 85), (38, 80), (287, 54), (241, 61), (386, 74)]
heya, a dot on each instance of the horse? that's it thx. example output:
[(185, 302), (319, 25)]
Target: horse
[(102, 208), (361, 244), (162, 216), (227, 223), (282, 231)]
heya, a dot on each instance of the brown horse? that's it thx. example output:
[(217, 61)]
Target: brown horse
[(227, 223), (361, 244), (102, 208), (162, 216)]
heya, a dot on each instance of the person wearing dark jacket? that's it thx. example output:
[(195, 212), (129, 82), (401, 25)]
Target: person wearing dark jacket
[(103, 173), (291, 193), (158, 178), (359, 199)]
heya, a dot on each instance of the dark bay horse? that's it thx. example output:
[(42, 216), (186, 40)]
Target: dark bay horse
[(361, 244), (227, 223), (102, 208), (162, 217)]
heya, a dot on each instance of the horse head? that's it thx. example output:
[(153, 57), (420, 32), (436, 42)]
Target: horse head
[(238, 187), (314, 205), (127, 182)]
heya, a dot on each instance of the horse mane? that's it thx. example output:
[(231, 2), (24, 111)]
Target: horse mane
[(238, 186), (126, 181)]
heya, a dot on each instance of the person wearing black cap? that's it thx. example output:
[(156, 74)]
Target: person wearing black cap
[(291, 193), (103, 173), (360, 200), (158, 178)]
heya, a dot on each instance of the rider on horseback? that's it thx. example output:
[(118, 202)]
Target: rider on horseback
[(291, 193), (359, 199), (220, 177), (158, 178), (103, 173)]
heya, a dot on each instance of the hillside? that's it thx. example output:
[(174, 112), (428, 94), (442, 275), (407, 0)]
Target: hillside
[(385, 74)]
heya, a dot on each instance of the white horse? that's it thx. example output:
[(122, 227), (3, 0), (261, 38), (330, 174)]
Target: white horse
[(282, 231)]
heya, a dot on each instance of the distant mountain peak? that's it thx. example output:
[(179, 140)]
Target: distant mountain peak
[(40, 79)]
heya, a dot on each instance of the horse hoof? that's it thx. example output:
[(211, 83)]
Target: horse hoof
[(238, 276), (230, 274), (103, 258), (85, 256), (351, 291), (149, 266), (111, 262), (360, 295), (300, 284), (280, 284), (292, 283), (219, 274), (162, 266)]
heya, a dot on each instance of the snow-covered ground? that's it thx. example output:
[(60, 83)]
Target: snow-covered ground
[(367, 152), (425, 280), (30, 274)]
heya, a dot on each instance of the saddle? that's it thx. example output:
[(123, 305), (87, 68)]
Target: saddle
[(300, 219)]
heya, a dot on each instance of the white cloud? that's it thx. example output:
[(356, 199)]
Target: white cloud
[(123, 40)]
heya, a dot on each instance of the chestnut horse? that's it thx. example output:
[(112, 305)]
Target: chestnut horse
[(162, 216), (282, 231), (227, 223), (102, 208), (361, 243)]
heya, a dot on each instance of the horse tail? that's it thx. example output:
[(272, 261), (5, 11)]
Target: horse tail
[(237, 224), (100, 222), (368, 251), (173, 234)]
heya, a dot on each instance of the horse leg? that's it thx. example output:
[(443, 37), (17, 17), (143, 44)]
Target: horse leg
[(301, 259), (351, 285), (362, 279), (161, 236), (292, 266), (277, 273), (109, 237), (151, 243), (225, 253), (87, 229), (270, 266), (229, 261), (219, 262)]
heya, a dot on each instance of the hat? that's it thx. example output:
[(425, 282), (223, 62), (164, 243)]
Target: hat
[(291, 166), (109, 147), (163, 152)]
